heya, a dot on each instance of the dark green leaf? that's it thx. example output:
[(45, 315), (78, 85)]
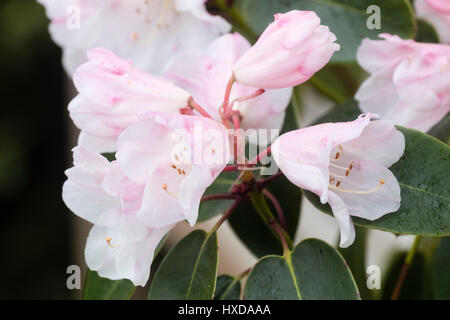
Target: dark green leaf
[(440, 270), (346, 18), (253, 232), (314, 270), (227, 288), (189, 270), (441, 130), (98, 288), (426, 32), (212, 208)]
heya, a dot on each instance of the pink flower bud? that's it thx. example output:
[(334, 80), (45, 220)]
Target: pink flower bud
[(288, 53)]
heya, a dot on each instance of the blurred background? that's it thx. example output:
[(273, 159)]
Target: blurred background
[(35, 233), (39, 236)]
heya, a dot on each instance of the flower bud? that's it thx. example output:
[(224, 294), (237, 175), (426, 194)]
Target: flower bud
[(288, 53)]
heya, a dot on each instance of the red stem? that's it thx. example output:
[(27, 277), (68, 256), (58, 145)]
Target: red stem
[(198, 107), (218, 197), (277, 206)]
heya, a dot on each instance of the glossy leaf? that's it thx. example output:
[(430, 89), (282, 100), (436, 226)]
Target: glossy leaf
[(313, 270), (227, 288), (189, 270), (98, 288), (346, 18)]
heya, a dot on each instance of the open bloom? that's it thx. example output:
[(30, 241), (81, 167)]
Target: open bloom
[(112, 92), (176, 157), (288, 53), (206, 76), (346, 165), (148, 32), (119, 246), (408, 83), (437, 13)]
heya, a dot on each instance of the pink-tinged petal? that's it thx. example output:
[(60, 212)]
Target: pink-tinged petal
[(442, 6), (134, 260), (109, 81), (88, 203), (378, 93), (160, 206), (374, 55), (307, 168), (142, 146), (380, 141), (437, 13), (413, 88), (99, 256), (97, 144), (343, 218), (365, 177), (288, 53), (82, 192)]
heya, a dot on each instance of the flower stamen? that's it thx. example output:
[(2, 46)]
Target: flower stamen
[(108, 241), (382, 182), (164, 187)]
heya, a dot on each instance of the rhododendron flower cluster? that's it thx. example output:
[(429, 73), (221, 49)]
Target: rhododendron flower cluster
[(173, 133), (148, 32), (408, 81)]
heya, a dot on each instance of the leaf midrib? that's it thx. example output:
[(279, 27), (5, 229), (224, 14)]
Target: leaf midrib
[(415, 188), (194, 271)]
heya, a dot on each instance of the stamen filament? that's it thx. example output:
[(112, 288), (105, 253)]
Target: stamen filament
[(358, 192)]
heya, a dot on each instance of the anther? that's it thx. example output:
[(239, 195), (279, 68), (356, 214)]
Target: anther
[(108, 241), (164, 187)]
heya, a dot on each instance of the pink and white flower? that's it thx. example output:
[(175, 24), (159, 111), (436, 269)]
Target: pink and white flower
[(112, 93), (346, 165), (176, 157), (437, 13), (119, 246), (206, 77), (288, 53), (148, 32), (408, 83)]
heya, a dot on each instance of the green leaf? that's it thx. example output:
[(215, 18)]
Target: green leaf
[(440, 271), (98, 288), (313, 270), (227, 288), (189, 270), (212, 208), (426, 32), (423, 175), (346, 18), (441, 130), (253, 232)]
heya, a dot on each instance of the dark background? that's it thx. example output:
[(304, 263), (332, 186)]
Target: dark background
[(34, 230)]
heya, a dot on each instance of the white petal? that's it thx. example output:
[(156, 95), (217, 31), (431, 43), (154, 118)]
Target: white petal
[(343, 218)]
